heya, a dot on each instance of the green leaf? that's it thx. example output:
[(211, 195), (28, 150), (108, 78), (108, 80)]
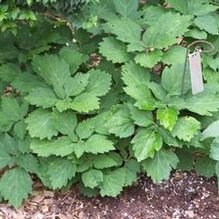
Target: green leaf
[(202, 104), (40, 124), (8, 72), (114, 50), (205, 167), (141, 118), (196, 34), (15, 185), (5, 159), (217, 172), (8, 144), (126, 8), (92, 178), (60, 171), (72, 57), (214, 151), (134, 75), (212, 130), (65, 122), (192, 7), (98, 144), (127, 31), (85, 128), (148, 60), (167, 117), (40, 96), (113, 183), (157, 35), (75, 86), (59, 147), (12, 109), (20, 129), (131, 169), (145, 143), (119, 122), (186, 127), (99, 82), (107, 160), (175, 55), (84, 102), (186, 160), (172, 79), (28, 162), (168, 137), (207, 23), (160, 166), (54, 71)]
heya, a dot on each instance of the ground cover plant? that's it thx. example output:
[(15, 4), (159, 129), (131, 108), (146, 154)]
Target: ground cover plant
[(91, 94)]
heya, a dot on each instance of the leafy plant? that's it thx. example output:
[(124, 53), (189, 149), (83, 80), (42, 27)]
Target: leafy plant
[(100, 103)]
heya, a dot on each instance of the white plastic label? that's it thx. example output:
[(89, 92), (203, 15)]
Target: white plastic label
[(195, 68)]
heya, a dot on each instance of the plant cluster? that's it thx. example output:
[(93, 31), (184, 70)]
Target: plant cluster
[(100, 103)]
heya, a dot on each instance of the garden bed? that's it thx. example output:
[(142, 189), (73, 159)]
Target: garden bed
[(185, 195)]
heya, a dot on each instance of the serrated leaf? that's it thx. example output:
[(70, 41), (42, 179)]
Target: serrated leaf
[(72, 57), (12, 109), (212, 130), (60, 171), (207, 23), (205, 167), (40, 124), (114, 50), (174, 55), (196, 34), (141, 117), (127, 31), (160, 166), (85, 128), (99, 82), (172, 79), (145, 143), (5, 159), (186, 127), (202, 104), (119, 122), (75, 86), (150, 59), (157, 35), (92, 178), (15, 185), (84, 102), (40, 96), (131, 169), (113, 183), (126, 8), (133, 75), (214, 151), (192, 7), (64, 122), (28, 162), (54, 71), (98, 144), (107, 160), (167, 117), (168, 137), (20, 129), (59, 147), (8, 72), (8, 144)]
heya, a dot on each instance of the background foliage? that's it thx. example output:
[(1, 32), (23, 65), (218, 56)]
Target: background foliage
[(90, 93)]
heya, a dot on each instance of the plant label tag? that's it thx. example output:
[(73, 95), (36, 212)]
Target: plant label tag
[(195, 68)]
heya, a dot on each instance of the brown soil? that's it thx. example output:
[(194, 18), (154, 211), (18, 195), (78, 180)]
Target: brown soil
[(185, 195)]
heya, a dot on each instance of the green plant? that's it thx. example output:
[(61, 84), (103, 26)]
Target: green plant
[(104, 104)]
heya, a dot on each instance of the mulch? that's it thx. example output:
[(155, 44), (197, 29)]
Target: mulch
[(184, 195)]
